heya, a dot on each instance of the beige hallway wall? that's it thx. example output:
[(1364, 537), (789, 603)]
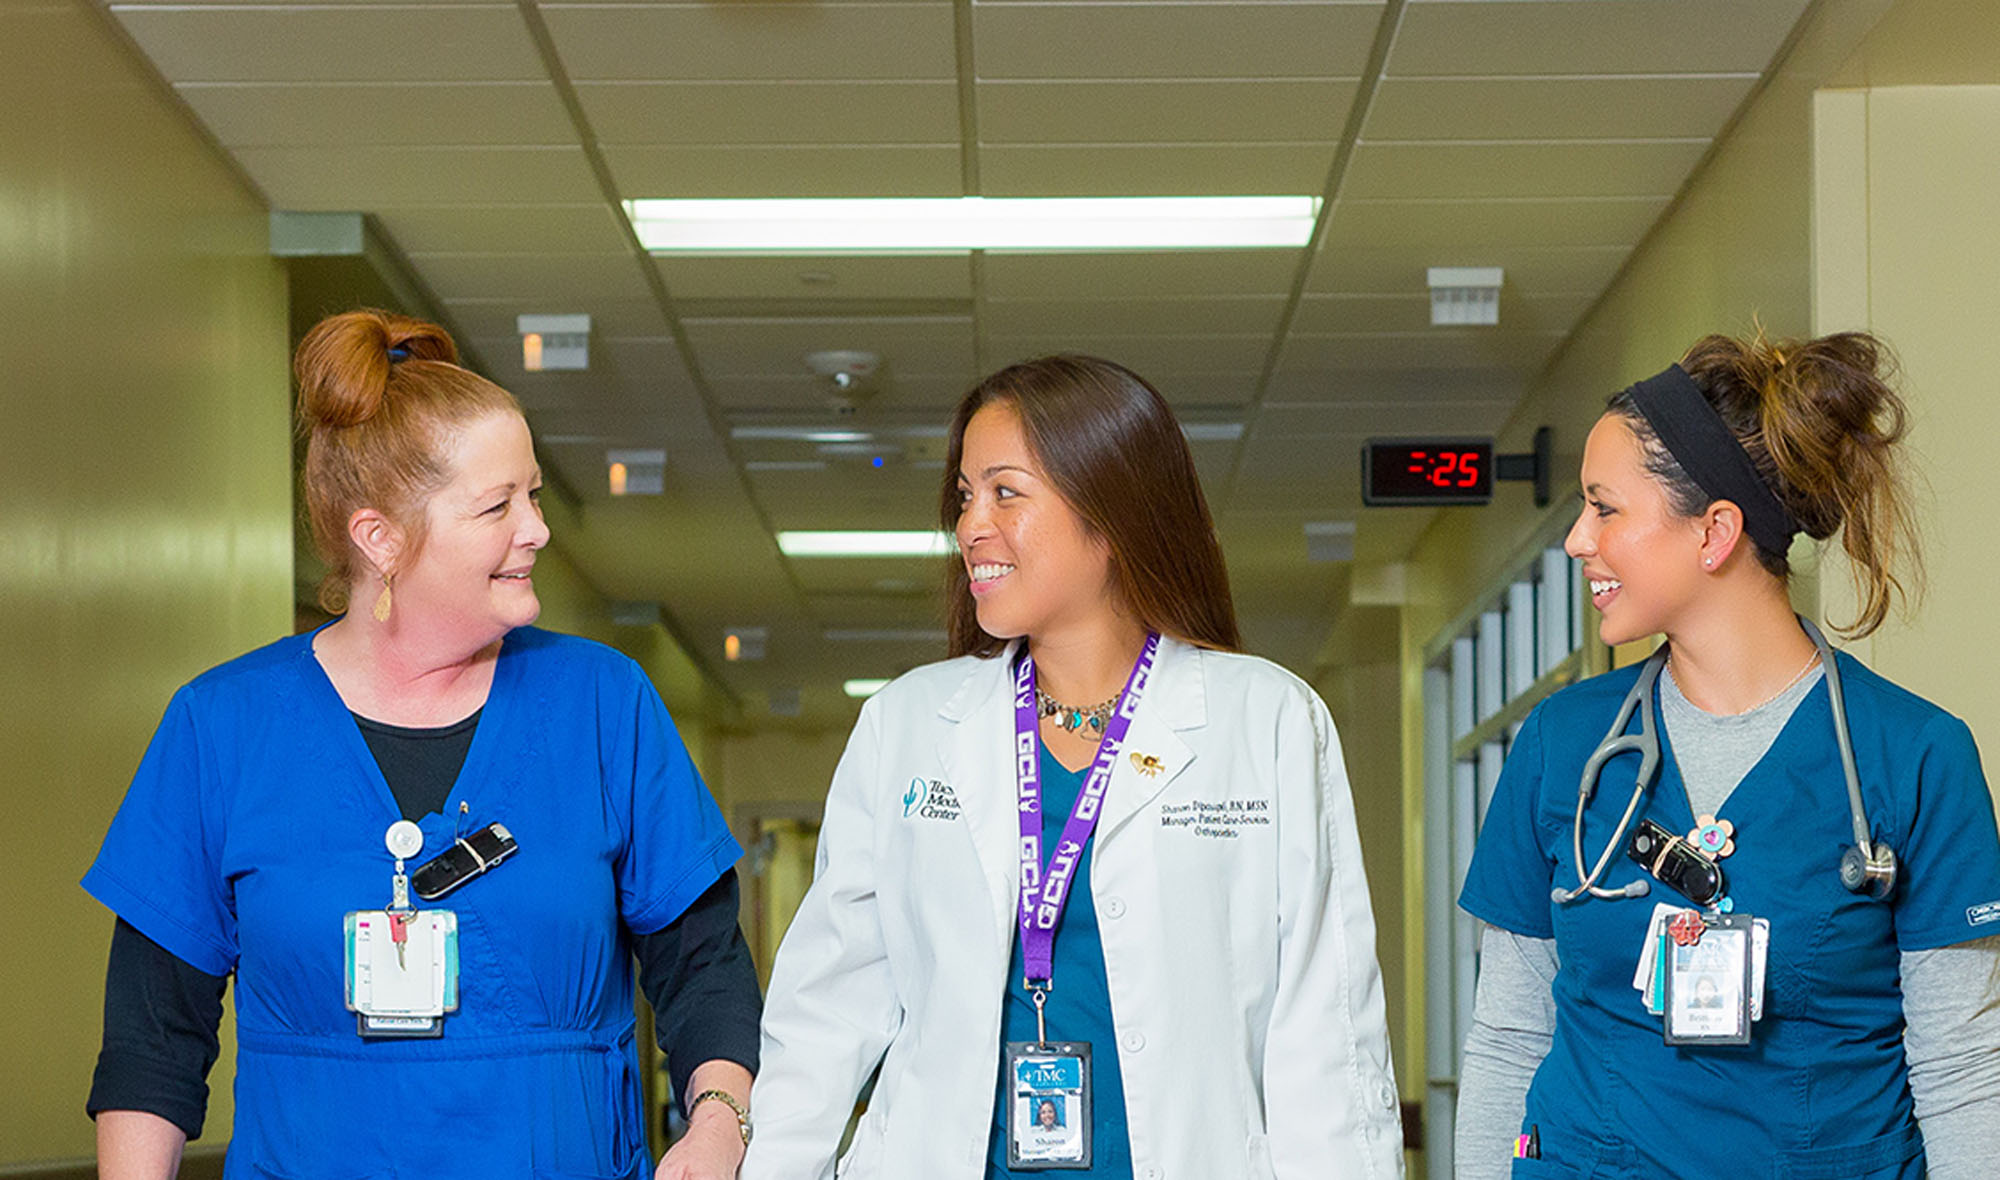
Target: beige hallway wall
[(144, 502), (1908, 243)]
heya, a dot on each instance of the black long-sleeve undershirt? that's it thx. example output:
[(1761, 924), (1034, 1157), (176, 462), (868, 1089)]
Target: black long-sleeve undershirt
[(161, 1014)]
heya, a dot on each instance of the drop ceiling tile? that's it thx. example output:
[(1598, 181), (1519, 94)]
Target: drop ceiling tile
[(1117, 170), (778, 347), (372, 178), (795, 112), (473, 229), (921, 277), (1463, 225), (1291, 385), (532, 278), (1173, 40), (1591, 37), (1337, 314), (804, 398), (804, 170), (1152, 357), (1412, 170), (1438, 348), (1188, 389), (608, 317), (1140, 275), (1184, 111), (1344, 420), (1535, 271), (347, 43), (381, 114), (1128, 317), (747, 41), (1554, 108)]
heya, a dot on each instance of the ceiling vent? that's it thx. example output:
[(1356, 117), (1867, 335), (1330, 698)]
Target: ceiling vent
[(1463, 295)]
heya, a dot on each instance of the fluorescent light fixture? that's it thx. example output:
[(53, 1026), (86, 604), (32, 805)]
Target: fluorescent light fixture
[(550, 342), (863, 688), (1212, 431), (865, 543), (819, 434), (1464, 294), (951, 225)]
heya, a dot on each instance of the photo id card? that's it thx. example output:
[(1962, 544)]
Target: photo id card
[(1048, 1105), (401, 971), (1708, 983)]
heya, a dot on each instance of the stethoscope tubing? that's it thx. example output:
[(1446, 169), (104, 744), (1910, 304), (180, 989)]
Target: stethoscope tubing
[(1646, 743)]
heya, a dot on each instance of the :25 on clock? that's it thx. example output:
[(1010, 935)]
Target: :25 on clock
[(1424, 471)]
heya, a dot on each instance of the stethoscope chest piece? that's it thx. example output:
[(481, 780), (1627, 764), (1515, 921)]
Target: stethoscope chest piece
[(1871, 871)]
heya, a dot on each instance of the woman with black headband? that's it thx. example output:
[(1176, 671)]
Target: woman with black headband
[(1742, 962)]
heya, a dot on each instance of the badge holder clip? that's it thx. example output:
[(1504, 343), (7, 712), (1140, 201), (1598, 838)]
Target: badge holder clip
[(1048, 1097), (401, 963)]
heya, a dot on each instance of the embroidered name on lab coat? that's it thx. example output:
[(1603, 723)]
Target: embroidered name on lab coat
[(1221, 819), (930, 799)]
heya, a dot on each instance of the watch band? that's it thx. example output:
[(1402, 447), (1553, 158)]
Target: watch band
[(723, 1096)]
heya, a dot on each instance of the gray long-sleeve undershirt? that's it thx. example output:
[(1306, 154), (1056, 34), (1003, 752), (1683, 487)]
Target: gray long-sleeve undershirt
[(1951, 996)]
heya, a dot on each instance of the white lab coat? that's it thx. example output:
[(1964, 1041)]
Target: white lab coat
[(1238, 940)]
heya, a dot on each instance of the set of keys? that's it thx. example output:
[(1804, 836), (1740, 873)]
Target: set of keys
[(405, 840)]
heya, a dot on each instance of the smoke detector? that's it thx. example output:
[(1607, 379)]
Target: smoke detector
[(848, 371)]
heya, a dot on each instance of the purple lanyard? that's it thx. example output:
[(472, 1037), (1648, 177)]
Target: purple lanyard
[(1045, 895)]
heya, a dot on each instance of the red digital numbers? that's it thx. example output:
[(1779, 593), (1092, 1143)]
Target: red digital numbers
[(1450, 469)]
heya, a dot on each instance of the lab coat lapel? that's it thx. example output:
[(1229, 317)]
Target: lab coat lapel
[(1154, 753), (973, 750)]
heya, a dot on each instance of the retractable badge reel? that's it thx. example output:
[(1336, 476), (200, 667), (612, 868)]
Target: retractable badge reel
[(401, 962)]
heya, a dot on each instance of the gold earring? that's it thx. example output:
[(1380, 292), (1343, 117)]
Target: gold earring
[(383, 602)]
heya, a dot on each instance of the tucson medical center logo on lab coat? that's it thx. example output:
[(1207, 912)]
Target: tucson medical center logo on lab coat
[(930, 799)]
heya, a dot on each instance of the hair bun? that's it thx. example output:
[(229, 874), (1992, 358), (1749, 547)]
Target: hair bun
[(344, 367)]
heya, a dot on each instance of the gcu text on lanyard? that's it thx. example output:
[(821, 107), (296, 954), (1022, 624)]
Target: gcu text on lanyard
[(1048, 1109)]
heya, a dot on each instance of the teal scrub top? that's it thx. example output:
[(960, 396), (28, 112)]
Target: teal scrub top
[(1079, 1005), (1822, 1091), (256, 822)]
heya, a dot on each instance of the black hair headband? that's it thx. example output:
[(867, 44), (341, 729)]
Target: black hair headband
[(1702, 443)]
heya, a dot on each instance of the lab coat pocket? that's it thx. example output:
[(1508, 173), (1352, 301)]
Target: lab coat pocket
[(1899, 1155), (1258, 1148), (864, 1155)]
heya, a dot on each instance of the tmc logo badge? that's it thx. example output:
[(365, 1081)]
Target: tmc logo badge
[(1980, 915)]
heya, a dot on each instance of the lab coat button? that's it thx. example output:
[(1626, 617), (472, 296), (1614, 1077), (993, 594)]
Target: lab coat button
[(1388, 1096), (1152, 1173), (1133, 1042), (1114, 907)]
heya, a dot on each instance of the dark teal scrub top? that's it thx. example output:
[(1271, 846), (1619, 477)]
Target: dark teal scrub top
[(1079, 1007), (1822, 1091)]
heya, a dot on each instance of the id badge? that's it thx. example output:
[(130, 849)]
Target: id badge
[(1709, 984), (401, 971), (1048, 1105)]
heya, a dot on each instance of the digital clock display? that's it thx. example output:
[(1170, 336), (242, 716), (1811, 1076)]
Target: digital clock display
[(1416, 471)]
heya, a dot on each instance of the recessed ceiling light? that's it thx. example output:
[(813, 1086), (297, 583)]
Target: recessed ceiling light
[(952, 225), (865, 543), (863, 688)]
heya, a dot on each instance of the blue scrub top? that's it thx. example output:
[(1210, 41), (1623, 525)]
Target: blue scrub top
[(256, 822), (1079, 1006), (1823, 1089)]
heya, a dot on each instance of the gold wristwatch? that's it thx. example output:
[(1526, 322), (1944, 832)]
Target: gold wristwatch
[(742, 1115)]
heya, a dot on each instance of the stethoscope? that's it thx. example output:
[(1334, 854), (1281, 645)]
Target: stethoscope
[(1867, 866)]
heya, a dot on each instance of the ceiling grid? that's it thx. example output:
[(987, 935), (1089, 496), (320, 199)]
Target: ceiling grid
[(493, 141)]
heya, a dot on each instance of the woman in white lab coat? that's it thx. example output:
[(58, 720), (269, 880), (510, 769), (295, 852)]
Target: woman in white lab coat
[(1213, 948)]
